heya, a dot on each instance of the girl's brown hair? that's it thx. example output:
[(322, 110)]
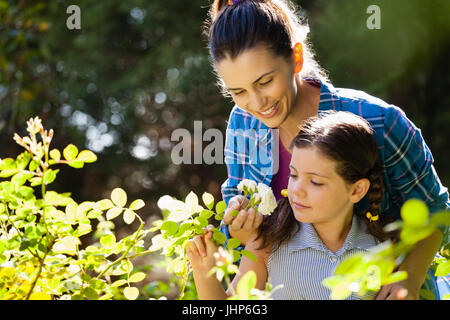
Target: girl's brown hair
[(348, 140), (233, 28)]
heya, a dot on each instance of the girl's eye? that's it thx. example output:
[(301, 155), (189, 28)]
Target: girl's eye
[(316, 184), (238, 93), (292, 175)]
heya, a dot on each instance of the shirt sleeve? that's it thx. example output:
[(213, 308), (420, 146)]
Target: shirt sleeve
[(234, 165), (409, 164)]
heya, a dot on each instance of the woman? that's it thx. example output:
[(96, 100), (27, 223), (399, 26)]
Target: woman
[(261, 54)]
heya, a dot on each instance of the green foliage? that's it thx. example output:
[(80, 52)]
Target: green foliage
[(368, 272), (183, 221), (41, 253)]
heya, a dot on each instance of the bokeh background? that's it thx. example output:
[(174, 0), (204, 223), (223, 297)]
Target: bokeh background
[(139, 69)]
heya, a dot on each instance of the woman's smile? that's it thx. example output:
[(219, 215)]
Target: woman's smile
[(269, 113)]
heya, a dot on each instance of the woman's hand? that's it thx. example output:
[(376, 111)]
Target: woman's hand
[(244, 225), (200, 252)]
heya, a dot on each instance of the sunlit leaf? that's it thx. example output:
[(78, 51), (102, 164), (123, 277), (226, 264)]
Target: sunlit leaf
[(414, 213), (55, 154), (129, 216), (208, 200), (220, 207), (119, 197), (70, 152), (113, 213), (87, 156), (137, 277), (131, 293), (137, 204)]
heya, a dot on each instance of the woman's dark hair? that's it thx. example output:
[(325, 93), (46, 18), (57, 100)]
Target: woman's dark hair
[(347, 139), (233, 28)]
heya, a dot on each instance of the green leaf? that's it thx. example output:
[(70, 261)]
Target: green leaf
[(76, 164), (220, 207), (119, 197), (234, 213), (201, 221), (22, 160), (137, 204), (427, 294), (249, 255), (137, 277), (70, 152), (233, 243), (440, 218), (50, 176), (8, 173), (113, 213), (103, 205), (443, 269), (129, 216), (87, 156), (414, 213), (245, 284), (7, 164), (131, 293), (169, 228), (396, 277), (208, 200), (206, 214), (219, 237), (20, 178), (414, 235), (90, 293), (119, 283), (108, 240), (55, 154), (348, 264)]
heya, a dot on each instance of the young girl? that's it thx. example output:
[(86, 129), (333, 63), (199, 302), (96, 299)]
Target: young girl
[(335, 163), (262, 55)]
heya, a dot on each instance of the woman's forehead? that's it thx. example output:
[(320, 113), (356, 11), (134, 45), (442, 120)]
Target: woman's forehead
[(247, 67)]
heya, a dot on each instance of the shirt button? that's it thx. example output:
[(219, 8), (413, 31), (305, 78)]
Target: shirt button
[(333, 259)]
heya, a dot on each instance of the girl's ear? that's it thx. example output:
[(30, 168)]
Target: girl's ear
[(359, 189)]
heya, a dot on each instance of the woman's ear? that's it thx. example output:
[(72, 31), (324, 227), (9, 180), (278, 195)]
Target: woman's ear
[(359, 189), (298, 57)]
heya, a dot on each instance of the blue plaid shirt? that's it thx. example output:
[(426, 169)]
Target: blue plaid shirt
[(251, 146)]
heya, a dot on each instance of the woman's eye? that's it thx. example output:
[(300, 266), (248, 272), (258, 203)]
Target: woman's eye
[(267, 82), (238, 93), (316, 184), (292, 175)]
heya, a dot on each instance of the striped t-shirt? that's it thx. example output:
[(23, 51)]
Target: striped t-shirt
[(304, 262)]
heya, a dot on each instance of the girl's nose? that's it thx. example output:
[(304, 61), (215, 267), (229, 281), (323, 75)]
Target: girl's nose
[(298, 189)]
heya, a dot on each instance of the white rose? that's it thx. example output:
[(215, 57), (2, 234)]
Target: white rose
[(268, 201), (248, 185)]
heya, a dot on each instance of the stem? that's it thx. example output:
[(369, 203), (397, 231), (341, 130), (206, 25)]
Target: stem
[(124, 256), (185, 278), (41, 264)]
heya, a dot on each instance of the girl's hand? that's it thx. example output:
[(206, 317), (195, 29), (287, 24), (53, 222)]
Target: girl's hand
[(200, 252), (398, 291), (244, 225)]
